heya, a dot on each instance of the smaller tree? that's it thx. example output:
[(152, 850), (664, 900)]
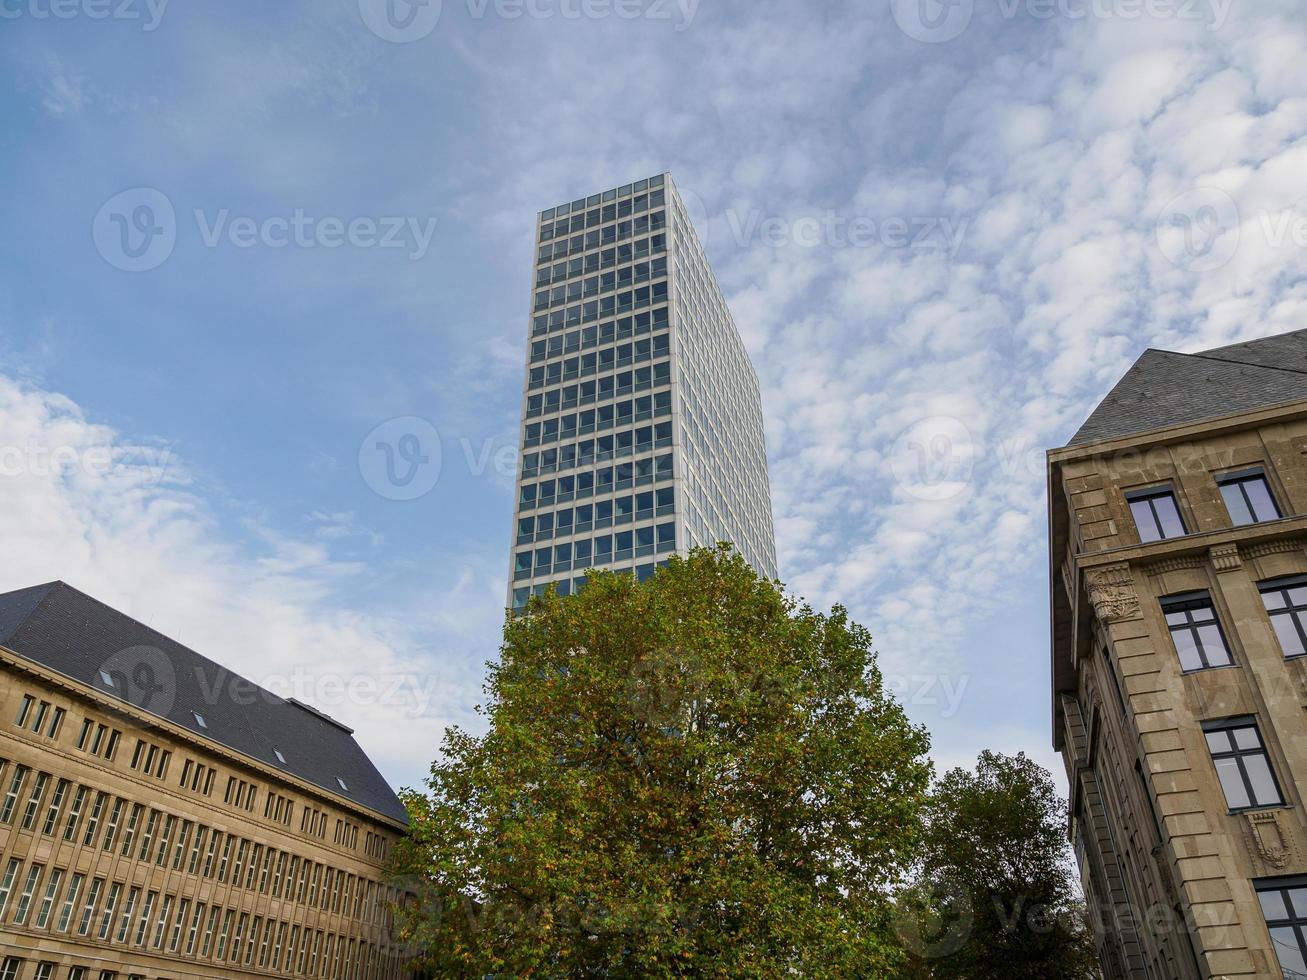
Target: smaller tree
[(995, 894)]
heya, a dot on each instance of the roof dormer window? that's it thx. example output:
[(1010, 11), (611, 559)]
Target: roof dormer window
[(341, 783), (199, 719), (280, 758)]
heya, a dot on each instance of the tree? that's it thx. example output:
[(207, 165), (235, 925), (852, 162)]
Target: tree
[(695, 776), (995, 894)]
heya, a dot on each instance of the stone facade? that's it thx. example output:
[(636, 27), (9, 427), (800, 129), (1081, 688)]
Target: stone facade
[(130, 846), (1171, 868)]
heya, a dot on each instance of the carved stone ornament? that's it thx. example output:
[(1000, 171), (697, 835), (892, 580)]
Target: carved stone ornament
[(1112, 593), (1174, 564), (1225, 557), (1283, 546), (1268, 842)]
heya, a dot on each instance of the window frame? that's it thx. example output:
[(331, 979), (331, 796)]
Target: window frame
[(1186, 603), (1295, 921), (1283, 584), (1237, 478), (1231, 725), (1148, 495)]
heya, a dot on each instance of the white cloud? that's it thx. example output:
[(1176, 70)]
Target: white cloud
[(125, 522)]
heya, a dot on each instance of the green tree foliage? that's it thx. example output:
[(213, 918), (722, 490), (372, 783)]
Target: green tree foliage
[(996, 896), (695, 776)]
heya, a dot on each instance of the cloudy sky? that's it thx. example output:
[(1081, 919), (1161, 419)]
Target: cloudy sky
[(944, 230)]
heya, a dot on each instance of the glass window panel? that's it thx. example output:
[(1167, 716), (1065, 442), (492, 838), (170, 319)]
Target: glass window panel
[(1259, 493), (1168, 515), (1290, 953), (1234, 503), (1273, 599), (1144, 522), (1213, 646), (1246, 738), (1298, 899), (1218, 741), (1265, 792), (1273, 906), (1187, 650), (1236, 796), (1287, 634), (1298, 595)]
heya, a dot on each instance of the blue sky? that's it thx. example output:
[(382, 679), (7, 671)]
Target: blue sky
[(944, 230)]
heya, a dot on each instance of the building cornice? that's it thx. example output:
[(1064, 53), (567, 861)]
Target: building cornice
[(1187, 432)]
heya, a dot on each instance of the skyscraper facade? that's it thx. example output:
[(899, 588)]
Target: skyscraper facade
[(642, 432)]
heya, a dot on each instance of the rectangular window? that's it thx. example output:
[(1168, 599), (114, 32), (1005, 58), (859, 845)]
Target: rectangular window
[(1156, 514), (29, 889), (34, 801), (11, 794), (1284, 906), (47, 901), (88, 910), (7, 883), (1242, 764), (9, 968), (1286, 603), (1248, 497), (110, 905), (70, 902), (1195, 631)]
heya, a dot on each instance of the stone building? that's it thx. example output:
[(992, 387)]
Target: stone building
[(163, 817), (1178, 560)]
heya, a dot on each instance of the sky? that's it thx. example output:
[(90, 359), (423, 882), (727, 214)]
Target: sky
[(245, 242)]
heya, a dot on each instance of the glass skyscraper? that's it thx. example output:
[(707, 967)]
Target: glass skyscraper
[(642, 430)]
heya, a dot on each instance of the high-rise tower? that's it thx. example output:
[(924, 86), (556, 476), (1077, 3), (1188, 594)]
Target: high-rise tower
[(642, 429)]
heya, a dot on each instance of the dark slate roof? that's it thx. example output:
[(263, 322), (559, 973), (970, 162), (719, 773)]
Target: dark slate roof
[(68, 632), (1164, 388)]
